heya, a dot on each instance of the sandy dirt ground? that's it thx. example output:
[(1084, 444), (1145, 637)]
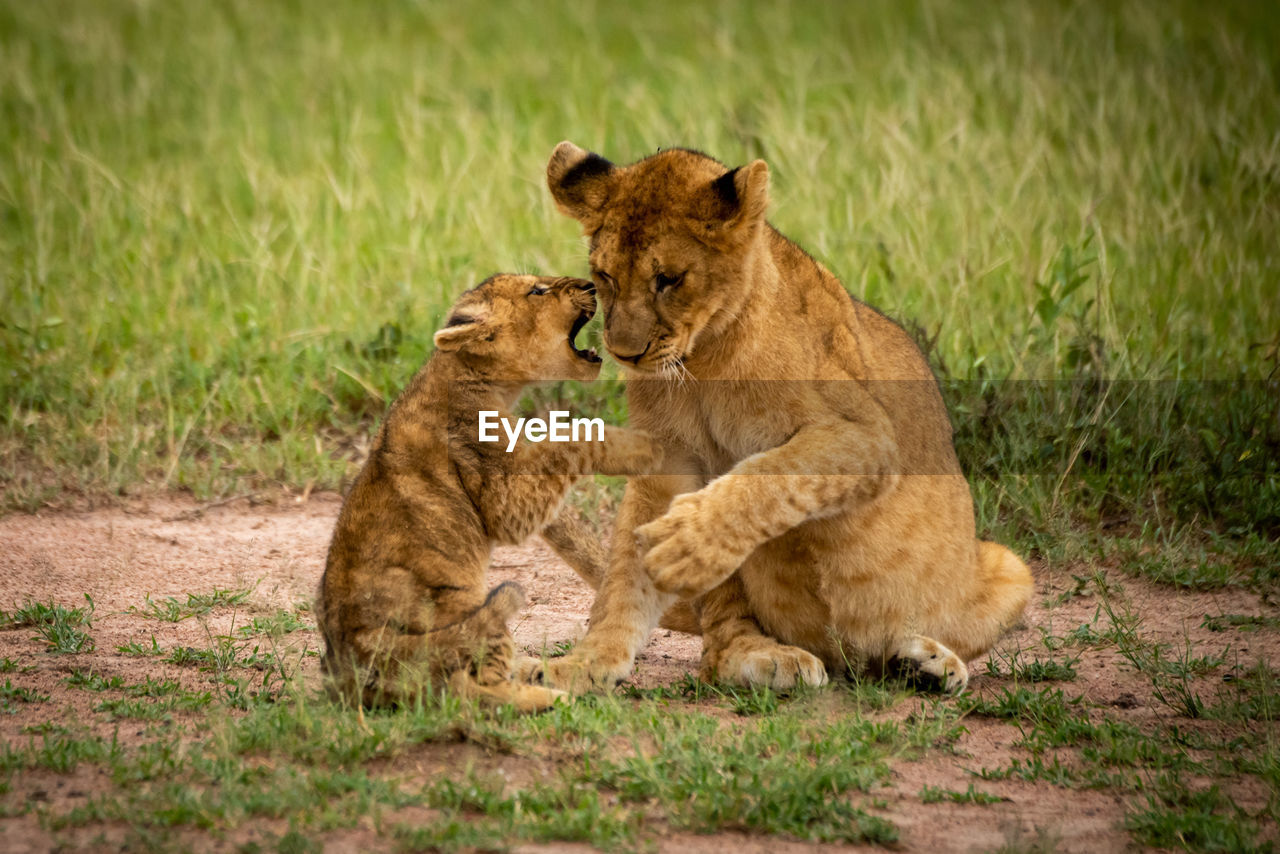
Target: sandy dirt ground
[(174, 547)]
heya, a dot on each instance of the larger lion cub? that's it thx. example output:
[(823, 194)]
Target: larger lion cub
[(827, 524), (403, 600)]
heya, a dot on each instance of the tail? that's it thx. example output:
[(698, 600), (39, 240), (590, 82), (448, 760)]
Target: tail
[(571, 537), (1003, 587), (480, 642), (1006, 573)]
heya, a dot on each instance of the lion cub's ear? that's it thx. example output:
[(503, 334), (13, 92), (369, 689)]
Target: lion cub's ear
[(461, 329), (742, 194), (580, 181)]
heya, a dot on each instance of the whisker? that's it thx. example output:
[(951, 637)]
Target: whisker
[(682, 371), (669, 373)]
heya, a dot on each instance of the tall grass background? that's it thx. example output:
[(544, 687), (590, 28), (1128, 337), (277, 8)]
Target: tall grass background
[(228, 229)]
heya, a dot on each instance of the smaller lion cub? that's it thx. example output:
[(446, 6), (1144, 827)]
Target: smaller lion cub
[(403, 602)]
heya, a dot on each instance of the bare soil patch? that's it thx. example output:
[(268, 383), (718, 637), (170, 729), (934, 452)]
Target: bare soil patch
[(125, 556)]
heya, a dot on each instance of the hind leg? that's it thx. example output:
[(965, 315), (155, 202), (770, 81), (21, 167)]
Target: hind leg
[(484, 639), (479, 641), (735, 650)]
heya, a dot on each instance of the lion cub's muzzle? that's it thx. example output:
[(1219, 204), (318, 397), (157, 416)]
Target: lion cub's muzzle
[(582, 294)]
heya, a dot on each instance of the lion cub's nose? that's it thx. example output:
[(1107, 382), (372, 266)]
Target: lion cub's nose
[(634, 359), (577, 284)]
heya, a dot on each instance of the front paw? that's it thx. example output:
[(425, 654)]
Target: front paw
[(688, 550), (579, 673), (535, 698)]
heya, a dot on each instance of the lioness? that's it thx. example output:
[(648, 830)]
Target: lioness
[(403, 592), (827, 523)]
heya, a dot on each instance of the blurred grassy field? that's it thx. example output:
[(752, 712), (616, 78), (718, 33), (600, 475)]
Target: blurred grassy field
[(227, 230)]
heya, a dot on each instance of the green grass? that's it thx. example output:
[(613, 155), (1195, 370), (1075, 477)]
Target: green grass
[(1160, 767), (1195, 821), (1001, 663), (229, 231), (90, 681), (240, 744), (63, 630), (138, 648), (937, 794), (38, 614), (1251, 694), (1240, 622), (159, 709), (11, 694), (276, 624), (789, 772), (171, 610)]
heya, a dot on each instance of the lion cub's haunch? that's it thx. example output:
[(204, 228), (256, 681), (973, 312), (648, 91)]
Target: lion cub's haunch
[(403, 602)]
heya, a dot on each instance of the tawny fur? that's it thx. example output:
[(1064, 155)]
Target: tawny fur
[(579, 546), (403, 601), (816, 517)]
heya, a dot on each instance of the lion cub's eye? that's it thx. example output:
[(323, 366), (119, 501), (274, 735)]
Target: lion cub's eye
[(536, 291), (663, 281), (602, 278)]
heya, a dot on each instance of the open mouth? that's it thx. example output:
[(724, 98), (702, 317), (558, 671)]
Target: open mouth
[(588, 355)]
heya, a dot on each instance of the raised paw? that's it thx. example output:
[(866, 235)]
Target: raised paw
[(926, 657), (774, 665), (686, 551)]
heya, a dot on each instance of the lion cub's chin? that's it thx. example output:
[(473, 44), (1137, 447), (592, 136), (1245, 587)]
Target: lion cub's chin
[(643, 365), (667, 358), (576, 369)]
